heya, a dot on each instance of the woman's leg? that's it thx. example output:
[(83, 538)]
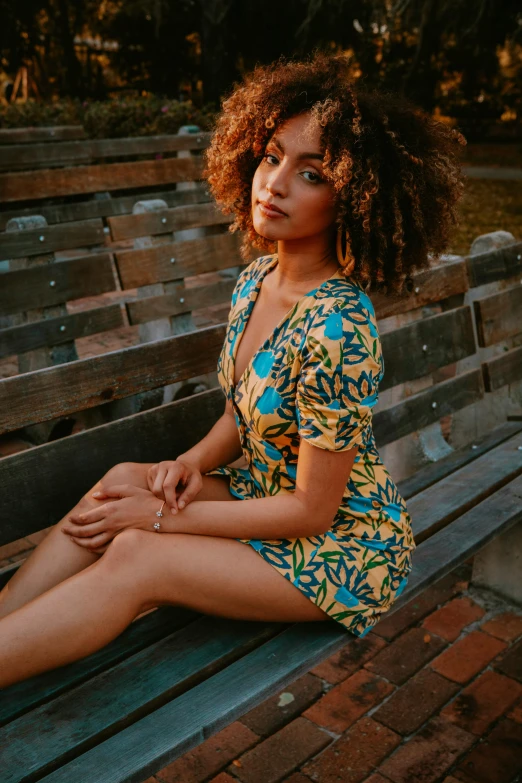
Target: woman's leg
[(141, 570), (57, 557)]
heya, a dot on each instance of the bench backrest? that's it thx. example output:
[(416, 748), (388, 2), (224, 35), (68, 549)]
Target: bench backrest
[(52, 476)]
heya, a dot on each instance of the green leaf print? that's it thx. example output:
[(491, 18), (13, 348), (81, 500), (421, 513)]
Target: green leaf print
[(330, 557), (298, 558), (321, 593)]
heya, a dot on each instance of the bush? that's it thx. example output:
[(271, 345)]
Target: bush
[(129, 116)]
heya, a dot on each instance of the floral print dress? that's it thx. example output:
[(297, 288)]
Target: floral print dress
[(317, 377)]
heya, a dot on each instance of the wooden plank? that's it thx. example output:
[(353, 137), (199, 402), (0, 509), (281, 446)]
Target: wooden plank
[(191, 257), (21, 244), (167, 220), (498, 316), (503, 369), (29, 156), (178, 726), (51, 284), (423, 346), (20, 157), (104, 207), (35, 134), (77, 462), (54, 331), (23, 696), (50, 183), (132, 689), (435, 284), (31, 397), (494, 265), (184, 300), (427, 406), (437, 506), (429, 474)]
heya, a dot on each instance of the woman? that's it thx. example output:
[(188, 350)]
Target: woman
[(342, 188)]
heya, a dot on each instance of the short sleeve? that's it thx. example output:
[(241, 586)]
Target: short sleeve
[(339, 378)]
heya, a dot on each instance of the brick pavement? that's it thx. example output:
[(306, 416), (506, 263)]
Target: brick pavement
[(433, 694)]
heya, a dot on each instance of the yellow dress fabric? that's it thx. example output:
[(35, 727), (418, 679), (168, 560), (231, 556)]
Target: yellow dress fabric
[(317, 377)]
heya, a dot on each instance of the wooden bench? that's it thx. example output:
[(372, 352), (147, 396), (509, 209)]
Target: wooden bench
[(175, 284), (80, 179), (175, 677)]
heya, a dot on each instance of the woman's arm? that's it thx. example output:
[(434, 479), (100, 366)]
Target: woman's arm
[(309, 510), (219, 447)]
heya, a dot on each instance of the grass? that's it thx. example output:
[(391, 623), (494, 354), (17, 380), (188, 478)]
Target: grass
[(488, 205)]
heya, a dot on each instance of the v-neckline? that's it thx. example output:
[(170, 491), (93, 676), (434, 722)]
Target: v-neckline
[(245, 316)]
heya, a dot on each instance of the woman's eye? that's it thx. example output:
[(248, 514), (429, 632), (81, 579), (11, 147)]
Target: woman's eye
[(317, 177), (312, 173)]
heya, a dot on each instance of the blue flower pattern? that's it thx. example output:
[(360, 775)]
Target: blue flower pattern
[(317, 377)]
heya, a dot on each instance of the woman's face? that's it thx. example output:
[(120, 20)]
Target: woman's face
[(290, 176)]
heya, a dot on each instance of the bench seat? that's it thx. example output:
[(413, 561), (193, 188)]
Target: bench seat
[(174, 677)]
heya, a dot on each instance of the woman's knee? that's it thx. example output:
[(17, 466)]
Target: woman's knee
[(127, 547), (125, 472)]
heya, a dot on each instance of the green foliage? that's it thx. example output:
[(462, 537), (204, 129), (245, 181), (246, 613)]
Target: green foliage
[(130, 116)]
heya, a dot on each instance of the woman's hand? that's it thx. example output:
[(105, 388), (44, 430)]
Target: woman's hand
[(130, 507), (163, 480)]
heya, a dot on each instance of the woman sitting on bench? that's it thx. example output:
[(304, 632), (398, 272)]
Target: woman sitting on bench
[(343, 188)]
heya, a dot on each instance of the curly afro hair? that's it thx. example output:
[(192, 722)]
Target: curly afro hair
[(395, 170)]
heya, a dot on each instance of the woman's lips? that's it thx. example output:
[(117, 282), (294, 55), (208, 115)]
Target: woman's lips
[(270, 212)]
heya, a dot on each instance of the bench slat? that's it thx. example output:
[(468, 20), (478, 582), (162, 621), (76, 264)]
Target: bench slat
[(437, 506), (126, 692), (152, 265), (94, 207), (30, 135), (29, 694), (72, 153), (503, 369), (86, 383), (448, 337), (53, 331), (429, 474), (494, 265), (156, 740), (427, 406), (78, 461), (76, 278), (34, 242), (166, 220), (151, 308), (50, 183), (498, 316)]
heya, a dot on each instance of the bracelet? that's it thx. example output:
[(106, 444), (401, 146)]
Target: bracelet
[(157, 525)]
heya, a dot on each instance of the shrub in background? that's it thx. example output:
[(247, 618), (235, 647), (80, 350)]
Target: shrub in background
[(129, 116)]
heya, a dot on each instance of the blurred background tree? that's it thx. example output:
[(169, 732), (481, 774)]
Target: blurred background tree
[(458, 58)]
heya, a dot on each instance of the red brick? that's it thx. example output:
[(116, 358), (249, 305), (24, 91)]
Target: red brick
[(511, 662), (210, 757), (450, 619), (275, 712), (496, 760), (482, 702), (468, 656), (417, 608), (348, 659), (353, 757), (406, 655), (280, 754), (429, 754), (376, 778), (418, 699), (346, 702), (223, 777), (516, 712), (297, 777), (506, 626)]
